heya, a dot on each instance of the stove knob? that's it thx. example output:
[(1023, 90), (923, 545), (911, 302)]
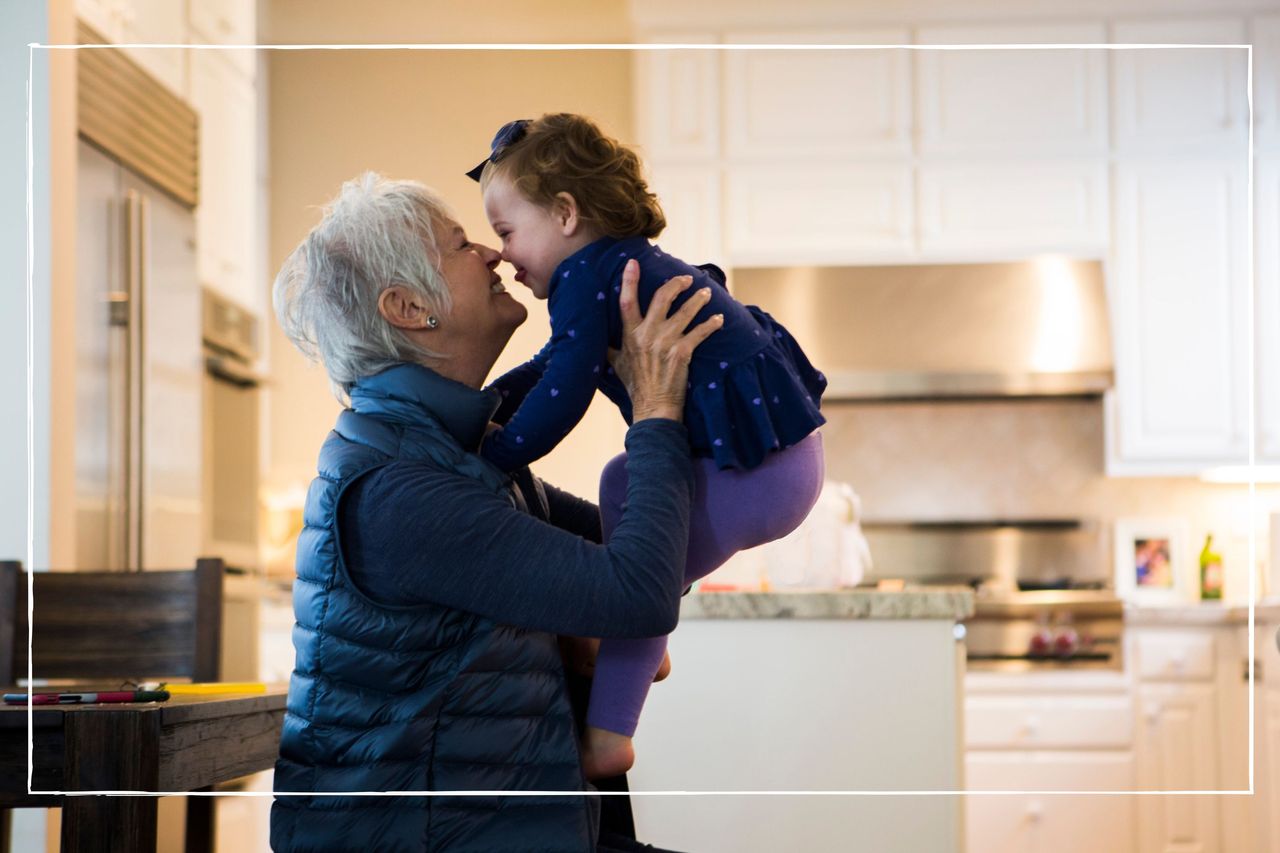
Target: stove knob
[(1066, 643)]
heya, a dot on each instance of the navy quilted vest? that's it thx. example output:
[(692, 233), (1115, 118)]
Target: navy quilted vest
[(420, 698)]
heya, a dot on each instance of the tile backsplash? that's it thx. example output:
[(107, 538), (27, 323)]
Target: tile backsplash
[(1024, 459)]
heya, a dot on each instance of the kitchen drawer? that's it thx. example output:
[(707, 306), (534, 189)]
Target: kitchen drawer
[(1019, 722), (1175, 657)]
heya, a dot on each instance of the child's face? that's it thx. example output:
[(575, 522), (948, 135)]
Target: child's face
[(534, 238)]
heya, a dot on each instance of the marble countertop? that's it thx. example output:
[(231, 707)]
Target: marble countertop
[(951, 603), (1202, 613)]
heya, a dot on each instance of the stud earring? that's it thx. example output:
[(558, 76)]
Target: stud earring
[(432, 322)]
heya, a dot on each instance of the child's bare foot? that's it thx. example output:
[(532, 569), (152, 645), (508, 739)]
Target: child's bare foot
[(606, 753)]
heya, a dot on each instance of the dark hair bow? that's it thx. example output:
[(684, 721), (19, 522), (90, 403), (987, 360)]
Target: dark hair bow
[(509, 134)]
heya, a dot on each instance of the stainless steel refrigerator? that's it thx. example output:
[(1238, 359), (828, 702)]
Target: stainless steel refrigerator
[(138, 372)]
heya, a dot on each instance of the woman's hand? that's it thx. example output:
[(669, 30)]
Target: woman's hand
[(654, 361)]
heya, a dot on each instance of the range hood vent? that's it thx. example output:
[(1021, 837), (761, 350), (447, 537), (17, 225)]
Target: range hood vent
[(1028, 329)]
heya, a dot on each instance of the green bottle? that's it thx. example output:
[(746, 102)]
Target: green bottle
[(1210, 572)]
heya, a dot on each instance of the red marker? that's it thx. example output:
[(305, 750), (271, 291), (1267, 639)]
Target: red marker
[(87, 698)]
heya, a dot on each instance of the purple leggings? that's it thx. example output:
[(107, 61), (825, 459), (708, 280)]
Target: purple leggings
[(732, 510)]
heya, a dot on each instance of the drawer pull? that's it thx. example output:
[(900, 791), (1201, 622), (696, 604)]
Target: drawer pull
[(1035, 811)]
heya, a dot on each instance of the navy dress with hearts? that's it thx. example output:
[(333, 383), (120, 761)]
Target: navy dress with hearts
[(752, 391)]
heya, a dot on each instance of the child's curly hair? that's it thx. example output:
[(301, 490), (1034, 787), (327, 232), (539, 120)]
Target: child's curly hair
[(567, 153)]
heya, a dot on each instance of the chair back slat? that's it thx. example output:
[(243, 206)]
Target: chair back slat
[(118, 625)]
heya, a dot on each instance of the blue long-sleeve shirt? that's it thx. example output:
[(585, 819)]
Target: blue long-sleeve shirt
[(751, 388), (413, 533)]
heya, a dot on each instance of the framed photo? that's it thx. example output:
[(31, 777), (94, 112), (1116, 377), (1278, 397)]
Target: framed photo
[(1152, 564)]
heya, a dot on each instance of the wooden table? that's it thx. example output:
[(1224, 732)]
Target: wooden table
[(184, 744)]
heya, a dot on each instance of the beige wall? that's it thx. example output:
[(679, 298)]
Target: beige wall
[(442, 21), (428, 116)]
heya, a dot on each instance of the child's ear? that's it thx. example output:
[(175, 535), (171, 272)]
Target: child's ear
[(566, 212)]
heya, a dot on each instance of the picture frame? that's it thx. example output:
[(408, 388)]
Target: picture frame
[(1152, 563)]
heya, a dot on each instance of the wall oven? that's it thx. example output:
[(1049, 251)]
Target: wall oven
[(232, 445)]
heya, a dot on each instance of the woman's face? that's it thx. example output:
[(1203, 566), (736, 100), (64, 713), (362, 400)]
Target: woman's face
[(533, 239), (483, 315)]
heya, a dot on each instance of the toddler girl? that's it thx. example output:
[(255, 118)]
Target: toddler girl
[(571, 208)]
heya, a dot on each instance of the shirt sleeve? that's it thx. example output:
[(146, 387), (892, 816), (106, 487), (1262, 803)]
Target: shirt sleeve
[(576, 354), (412, 534), (515, 384), (572, 513)]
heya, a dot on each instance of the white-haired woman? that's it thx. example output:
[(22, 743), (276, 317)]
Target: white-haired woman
[(431, 587)]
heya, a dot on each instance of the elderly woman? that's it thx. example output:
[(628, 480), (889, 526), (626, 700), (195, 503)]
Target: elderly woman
[(431, 587)]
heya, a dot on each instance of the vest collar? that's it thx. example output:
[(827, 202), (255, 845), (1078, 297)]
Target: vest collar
[(405, 392)]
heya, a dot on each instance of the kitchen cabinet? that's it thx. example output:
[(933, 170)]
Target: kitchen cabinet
[(1040, 823), (1266, 809), (1266, 282), (827, 213), (1043, 732), (226, 22), (1025, 103), (1188, 100), (1191, 713), (144, 22), (792, 697), (983, 211), (813, 103), (1176, 753), (1265, 35), (1179, 311), (690, 197), (227, 229), (678, 100)]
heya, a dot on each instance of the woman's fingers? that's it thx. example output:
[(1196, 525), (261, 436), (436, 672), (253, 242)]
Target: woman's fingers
[(686, 312), (660, 306), (701, 332), (628, 303)]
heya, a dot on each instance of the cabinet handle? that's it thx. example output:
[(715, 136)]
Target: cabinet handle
[(1035, 811), (1031, 726), (1153, 713)]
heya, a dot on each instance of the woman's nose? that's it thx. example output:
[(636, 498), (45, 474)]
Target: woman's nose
[(492, 257)]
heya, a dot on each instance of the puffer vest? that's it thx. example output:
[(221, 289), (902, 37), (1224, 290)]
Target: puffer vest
[(417, 698)]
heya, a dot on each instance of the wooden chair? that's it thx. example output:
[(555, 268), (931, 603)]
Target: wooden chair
[(109, 627)]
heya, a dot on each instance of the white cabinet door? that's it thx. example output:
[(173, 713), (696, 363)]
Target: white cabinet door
[(1037, 823), (1177, 726), (1030, 102), (803, 103), (678, 99), (1179, 287), (777, 215), (1181, 98), (1265, 35), (226, 219), (156, 22), (1266, 282), (104, 16), (989, 210), (226, 22), (690, 197)]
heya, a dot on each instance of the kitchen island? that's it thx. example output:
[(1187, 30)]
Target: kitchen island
[(815, 691)]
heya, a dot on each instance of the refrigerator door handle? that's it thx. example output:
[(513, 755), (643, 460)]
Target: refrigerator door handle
[(135, 282)]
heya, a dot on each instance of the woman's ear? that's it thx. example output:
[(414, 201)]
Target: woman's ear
[(566, 213), (400, 307)]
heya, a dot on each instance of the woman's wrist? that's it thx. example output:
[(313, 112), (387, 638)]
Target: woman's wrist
[(666, 412)]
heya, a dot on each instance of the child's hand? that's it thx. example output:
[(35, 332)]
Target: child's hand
[(654, 361)]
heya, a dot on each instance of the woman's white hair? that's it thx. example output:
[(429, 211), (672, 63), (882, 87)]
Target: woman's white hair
[(375, 234)]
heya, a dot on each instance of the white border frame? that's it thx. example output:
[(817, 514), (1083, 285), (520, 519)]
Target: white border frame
[(1252, 482)]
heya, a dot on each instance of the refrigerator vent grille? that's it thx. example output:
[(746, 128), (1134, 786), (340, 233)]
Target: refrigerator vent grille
[(130, 115)]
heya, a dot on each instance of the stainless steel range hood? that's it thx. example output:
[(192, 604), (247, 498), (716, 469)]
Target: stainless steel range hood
[(1031, 328)]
